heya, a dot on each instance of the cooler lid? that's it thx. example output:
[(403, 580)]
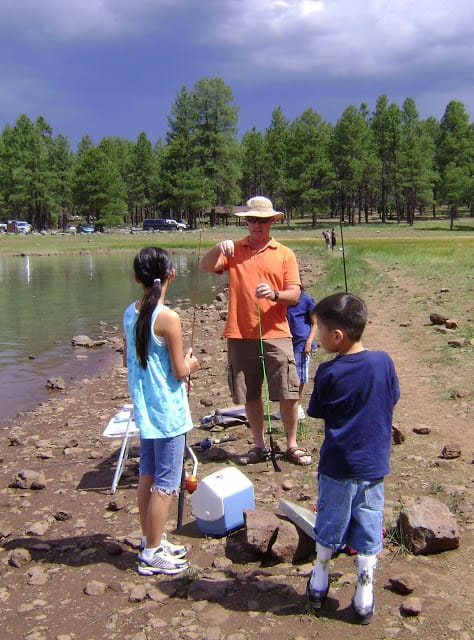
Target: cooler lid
[(208, 499), (206, 504)]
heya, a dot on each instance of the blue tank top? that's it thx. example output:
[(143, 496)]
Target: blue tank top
[(160, 402)]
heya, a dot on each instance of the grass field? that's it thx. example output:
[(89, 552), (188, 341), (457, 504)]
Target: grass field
[(298, 234)]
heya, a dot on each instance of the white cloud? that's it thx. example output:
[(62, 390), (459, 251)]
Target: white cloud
[(342, 36), (333, 37)]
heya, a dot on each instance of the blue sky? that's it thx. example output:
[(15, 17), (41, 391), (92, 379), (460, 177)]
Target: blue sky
[(115, 67)]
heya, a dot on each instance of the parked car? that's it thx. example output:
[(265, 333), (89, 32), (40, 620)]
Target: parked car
[(22, 227), (182, 226), (161, 224), (3, 227), (85, 228)]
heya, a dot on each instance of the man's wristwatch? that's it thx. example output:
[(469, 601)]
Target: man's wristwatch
[(276, 294)]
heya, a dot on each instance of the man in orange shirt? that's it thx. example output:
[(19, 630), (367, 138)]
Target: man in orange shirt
[(263, 280)]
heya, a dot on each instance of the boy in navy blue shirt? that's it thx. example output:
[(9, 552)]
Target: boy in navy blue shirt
[(355, 394)]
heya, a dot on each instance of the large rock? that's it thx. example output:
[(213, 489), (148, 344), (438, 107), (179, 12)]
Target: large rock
[(85, 341), (29, 479), (438, 318), (261, 528), (267, 534), (451, 451), (291, 544), (56, 383), (427, 526)]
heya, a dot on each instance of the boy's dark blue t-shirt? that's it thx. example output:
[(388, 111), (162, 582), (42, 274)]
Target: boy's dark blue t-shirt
[(355, 395), (298, 316)]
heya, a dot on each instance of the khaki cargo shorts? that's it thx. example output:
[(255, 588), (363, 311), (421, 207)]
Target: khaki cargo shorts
[(246, 372)]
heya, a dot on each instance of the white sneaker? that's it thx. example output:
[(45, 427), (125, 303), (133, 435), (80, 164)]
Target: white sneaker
[(161, 562), (301, 413), (175, 550)]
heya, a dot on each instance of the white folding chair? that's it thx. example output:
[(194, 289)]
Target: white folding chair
[(122, 425)]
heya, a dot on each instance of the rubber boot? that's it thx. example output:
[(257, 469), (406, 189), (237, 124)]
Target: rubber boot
[(363, 600), (318, 583)]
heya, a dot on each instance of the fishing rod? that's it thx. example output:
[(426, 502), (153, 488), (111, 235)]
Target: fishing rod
[(266, 394), (190, 482), (342, 248)]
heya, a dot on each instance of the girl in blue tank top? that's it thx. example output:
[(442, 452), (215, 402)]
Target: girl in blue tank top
[(157, 372)]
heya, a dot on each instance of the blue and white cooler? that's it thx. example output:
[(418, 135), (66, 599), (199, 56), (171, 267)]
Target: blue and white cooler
[(220, 499)]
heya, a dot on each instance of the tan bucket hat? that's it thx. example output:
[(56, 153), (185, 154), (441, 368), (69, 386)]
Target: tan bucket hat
[(260, 207)]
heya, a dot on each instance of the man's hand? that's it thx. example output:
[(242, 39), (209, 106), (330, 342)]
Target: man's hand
[(264, 290), (226, 248)]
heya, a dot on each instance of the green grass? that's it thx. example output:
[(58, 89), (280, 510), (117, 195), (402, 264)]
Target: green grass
[(448, 260), (396, 543), (423, 275)]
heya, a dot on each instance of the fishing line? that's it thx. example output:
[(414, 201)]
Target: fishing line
[(266, 394)]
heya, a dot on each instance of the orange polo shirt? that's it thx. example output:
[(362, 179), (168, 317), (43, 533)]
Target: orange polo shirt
[(275, 265)]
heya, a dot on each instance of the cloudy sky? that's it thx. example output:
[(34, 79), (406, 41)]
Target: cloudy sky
[(114, 67)]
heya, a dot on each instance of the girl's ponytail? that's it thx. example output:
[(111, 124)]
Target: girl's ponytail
[(152, 265)]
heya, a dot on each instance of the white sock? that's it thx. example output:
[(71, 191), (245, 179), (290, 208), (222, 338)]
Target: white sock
[(148, 552), (364, 594), (143, 544), (320, 575)]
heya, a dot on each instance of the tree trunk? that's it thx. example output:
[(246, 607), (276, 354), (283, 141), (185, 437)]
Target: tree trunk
[(452, 215)]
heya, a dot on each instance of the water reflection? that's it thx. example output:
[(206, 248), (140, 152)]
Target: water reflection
[(46, 300)]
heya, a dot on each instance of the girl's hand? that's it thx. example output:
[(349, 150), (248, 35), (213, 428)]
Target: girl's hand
[(191, 362)]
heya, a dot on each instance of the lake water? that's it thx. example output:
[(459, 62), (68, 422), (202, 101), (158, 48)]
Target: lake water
[(46, 300)]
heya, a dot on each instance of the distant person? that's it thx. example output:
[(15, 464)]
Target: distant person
[(333, 239), (354, 394), (263, 280), (157, 371), (327, 239), (302, 321)]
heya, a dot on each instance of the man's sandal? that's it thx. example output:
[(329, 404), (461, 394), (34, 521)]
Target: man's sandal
[(299, 456), (255, 455)]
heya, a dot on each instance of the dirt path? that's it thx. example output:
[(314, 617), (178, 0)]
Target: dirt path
[(403, 329), (76, 538)]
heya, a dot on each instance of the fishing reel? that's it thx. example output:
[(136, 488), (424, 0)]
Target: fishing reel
[(190, 480)]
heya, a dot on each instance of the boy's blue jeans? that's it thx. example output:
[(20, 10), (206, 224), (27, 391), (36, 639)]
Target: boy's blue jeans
[(350, 512)]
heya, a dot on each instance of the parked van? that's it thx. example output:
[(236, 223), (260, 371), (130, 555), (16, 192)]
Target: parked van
[(161, 224)]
